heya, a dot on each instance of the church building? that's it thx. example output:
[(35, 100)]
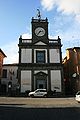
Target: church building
[(40, 60)]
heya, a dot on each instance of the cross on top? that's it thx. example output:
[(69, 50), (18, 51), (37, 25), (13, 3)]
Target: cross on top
[(38, 14)]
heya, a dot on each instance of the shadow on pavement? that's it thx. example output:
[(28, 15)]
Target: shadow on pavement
[(20, 113)]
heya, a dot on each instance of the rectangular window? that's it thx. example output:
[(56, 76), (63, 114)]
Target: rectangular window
[(40, 56), (4, 73)]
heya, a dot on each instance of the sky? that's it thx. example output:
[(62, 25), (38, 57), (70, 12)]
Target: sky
[(15, 20)]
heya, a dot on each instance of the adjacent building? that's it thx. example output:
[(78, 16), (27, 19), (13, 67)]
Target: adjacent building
[(9, 79), (2, 56), (71, 67)]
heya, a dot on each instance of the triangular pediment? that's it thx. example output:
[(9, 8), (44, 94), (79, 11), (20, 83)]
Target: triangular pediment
[(40, 73), (40, 43)]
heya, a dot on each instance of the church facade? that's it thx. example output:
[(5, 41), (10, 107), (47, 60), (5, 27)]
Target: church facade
[(40, 60)]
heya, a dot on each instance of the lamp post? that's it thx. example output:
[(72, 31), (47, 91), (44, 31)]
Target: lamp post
[(9, 88)]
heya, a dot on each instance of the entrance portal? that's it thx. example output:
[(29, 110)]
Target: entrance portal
[(41, 84), (40, 81)]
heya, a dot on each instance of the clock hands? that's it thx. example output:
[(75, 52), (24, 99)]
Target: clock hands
[(39, 32)]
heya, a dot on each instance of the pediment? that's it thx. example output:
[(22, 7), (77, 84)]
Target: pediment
[(40, 73), (40, 43)]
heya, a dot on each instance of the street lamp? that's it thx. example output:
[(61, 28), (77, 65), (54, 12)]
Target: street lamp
[(9, 88)]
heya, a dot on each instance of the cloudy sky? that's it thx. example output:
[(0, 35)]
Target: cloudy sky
[(15, 20)]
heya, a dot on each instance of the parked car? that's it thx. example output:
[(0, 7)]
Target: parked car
[(78, 97), (38, 93)]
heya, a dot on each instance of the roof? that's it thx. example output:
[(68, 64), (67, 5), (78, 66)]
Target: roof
[(73, 48), (3, 53), (13, 64)]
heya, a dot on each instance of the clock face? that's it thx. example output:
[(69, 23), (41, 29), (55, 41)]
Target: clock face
[(40, 31)]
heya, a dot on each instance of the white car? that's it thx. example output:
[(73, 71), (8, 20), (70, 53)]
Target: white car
[(78, 96), (38, 93)]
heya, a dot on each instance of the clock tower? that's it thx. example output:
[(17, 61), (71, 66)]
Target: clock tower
[(40, 59), (40, 30)]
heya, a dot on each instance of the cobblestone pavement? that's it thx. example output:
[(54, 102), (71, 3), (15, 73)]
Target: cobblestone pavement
[(39, 102)]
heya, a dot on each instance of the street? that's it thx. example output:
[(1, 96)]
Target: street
[(40, 109), (18, 113)]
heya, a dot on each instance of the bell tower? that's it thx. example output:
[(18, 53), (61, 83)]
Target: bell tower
[(39, 29)]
